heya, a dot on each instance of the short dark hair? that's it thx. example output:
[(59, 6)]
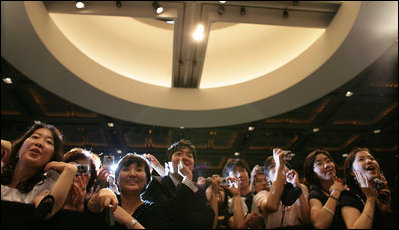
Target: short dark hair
[(76, 154), (179, 146), (349, 179), (8, 168), (133, 158), (233, 163), (310, 176)]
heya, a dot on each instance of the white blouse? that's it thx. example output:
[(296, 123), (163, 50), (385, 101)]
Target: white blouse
[(12, 194)]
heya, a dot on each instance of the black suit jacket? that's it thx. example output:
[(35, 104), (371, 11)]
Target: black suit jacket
[(184, 208)]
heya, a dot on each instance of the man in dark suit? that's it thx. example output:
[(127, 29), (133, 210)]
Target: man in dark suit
[(184, 201)]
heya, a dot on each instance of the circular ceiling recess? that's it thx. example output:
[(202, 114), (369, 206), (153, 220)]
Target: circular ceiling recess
[(121, 66)]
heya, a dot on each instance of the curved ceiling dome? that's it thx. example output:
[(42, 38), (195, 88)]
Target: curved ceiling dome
[(124, 68)]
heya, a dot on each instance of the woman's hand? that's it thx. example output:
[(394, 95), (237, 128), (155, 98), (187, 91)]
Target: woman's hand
[(60, 166), (278, 155), (337, 187), (292, 177), (103, 198), (234, 186), (364, 185), (79, 191)]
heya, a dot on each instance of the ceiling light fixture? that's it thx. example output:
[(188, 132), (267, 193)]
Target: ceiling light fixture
[(220, 10), (285, 13), (199, 33), (223, 2), (158, 8), (349, 94), (243, 11), (80, 5), (236, 154), (119, 151), (315, 130), (251, 128), (7, 80), (110, 124), (377, 131)]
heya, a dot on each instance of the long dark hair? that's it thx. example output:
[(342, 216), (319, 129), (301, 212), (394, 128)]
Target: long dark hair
[(8, 169), (76, 154), (310, 176)]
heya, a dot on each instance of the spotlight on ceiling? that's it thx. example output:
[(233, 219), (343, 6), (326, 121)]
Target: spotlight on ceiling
[(158, 8), (315, 130), (251, 128), (285, 13), (7, 80), (243, 11), (223, 2), (118, 4), (220, 10), (377, 131), (236, 154), (349, 94), (80, 5)]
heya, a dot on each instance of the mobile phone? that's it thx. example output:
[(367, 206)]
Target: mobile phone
[(109, 216)]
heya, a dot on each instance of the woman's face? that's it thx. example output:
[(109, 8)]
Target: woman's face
[(38, 149), (241, 174), (186, 156), (366, 164), (132, 178), (324, 168), (260, 182), (220, 197)]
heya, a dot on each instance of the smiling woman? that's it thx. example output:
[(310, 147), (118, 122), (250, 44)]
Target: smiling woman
[(22, 175)]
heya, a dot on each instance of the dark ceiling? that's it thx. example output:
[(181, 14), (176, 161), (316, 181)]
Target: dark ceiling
[(343, 122)]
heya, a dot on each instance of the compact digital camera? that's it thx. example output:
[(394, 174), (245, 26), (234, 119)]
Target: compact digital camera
[(82, 169), (224, 181)]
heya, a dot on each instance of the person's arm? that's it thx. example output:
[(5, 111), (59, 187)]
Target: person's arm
[(103, 198), (214, 198), (156, 165), (124, 218), (253, 174), (302, 202), (237, 221), (273, 202), (322, 216), (61, 187), (352, 216)]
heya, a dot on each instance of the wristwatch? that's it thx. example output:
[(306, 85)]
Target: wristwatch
[(132, 223)]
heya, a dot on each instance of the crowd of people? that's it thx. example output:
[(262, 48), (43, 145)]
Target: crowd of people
[(43, 187)]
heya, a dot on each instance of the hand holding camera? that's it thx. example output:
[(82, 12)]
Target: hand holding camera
[(381, 187)]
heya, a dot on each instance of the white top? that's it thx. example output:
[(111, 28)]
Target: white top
[(12, 194), (230, 203), (291, 216)]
